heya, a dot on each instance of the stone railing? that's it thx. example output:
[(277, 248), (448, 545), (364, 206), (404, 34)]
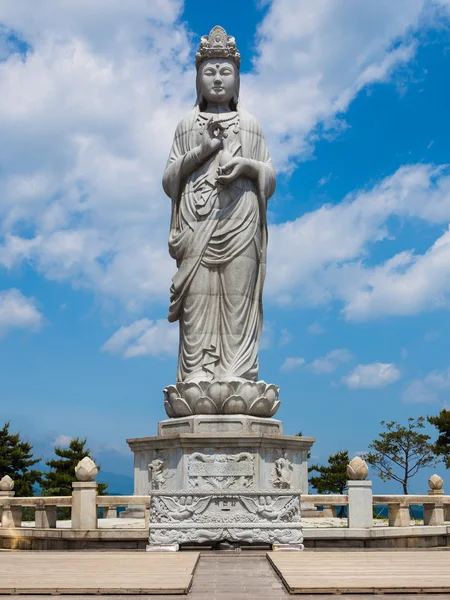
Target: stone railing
[(84, 502), (359, 500)]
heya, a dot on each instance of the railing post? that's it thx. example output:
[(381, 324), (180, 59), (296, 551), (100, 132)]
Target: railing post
[(360, 509), (84, 495), (433, 513), (11, 516)]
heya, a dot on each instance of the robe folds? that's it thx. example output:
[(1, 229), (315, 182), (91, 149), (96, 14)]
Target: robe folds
[(218, 236)]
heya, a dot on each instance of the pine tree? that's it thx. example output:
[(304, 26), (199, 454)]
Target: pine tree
[(332, 478), (16, 460), (58, 480), (401, 451), (441, 447)]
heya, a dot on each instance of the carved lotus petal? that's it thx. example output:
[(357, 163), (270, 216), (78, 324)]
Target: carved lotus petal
[(271, 393), (171, 392), (249, 391), (205, 406), (262, 386), (6, 484), (180, 387), (275, 407), (435, 482), (260, 407), (181, 408), (169, 409), (357, 469), (234, 405), (192, 392), (204, 385), (86, 469), (219, 391)]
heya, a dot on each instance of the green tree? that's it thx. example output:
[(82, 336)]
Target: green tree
[(17, 460), (58, 480), (441, 446), (332, 478), (401, 451)]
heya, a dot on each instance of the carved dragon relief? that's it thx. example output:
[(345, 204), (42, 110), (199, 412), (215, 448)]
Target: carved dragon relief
[(224, 509)]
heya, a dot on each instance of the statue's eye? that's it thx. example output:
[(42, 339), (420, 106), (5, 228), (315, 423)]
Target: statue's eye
[(226, 72), (208, 72)]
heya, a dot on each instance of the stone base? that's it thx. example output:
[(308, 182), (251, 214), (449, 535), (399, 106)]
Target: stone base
[(220, 424), (215, 478), (249, 517)]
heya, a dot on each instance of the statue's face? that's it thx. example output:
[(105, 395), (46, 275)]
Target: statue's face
[(218, 81)]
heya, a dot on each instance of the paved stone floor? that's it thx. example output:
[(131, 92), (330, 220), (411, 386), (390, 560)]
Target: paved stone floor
[(237, 577)]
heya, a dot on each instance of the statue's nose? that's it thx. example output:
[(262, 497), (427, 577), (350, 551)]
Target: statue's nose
[(218, 79)]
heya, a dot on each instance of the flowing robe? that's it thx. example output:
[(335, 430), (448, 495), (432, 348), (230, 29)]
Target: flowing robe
[(218, 236)]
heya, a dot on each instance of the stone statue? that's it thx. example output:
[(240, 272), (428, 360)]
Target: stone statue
[(219, 177)]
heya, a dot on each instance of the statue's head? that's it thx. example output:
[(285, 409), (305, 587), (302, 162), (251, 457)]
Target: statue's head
[(218, 62)]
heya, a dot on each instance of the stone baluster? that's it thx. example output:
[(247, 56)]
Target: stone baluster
[(433, 512), (84, 495), (11, 516), (329, 511), (398, 514), (110, 512), (360, 511), (45, 516)]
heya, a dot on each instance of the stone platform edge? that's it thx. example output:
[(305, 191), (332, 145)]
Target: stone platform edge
[(388, 537)]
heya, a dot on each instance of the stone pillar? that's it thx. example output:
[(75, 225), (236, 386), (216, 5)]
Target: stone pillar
[(398, 515), (45, 516), (84, 505), (84, 495), (433, 512), (360, 512)]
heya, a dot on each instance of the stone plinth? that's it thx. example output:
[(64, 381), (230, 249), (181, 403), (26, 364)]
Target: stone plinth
[(208, 478), (219, 424)]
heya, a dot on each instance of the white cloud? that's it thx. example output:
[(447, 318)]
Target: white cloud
[(320, 256), (18, 312), (429, 389), (315, 57), (62, 440), (375, 375), (331, 361), (156, 338), (285, 338), (316, 329), (292, 363)]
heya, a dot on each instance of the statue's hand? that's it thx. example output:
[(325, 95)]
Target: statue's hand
[(235, 168), (212, 139)]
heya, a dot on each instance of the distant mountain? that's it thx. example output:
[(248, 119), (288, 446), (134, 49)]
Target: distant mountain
[(118, 485)]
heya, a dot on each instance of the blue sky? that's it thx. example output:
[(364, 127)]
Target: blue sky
[(353, 98)]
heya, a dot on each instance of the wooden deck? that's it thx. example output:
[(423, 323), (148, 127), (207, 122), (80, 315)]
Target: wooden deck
[(56, 572), (364, 572)]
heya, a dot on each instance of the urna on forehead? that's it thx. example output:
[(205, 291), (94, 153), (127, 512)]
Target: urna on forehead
[(217, 46)]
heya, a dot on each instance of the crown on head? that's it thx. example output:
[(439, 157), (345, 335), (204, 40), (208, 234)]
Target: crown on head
[(217, 45)]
